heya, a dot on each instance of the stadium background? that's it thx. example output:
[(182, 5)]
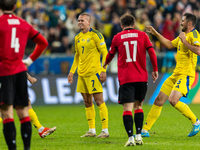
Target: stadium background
[(57, 21)]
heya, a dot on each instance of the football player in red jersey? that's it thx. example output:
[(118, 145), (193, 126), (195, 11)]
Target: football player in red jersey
[(43, 131), (15, 33), (131, 46)]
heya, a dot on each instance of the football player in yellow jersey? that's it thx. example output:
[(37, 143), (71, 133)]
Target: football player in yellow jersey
[(179, 83), (89, 46)]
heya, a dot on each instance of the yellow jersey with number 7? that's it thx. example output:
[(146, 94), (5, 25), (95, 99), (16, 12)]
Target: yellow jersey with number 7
[(89, 47)]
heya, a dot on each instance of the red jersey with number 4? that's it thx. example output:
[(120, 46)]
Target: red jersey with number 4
[(131, 46), (14, 34)]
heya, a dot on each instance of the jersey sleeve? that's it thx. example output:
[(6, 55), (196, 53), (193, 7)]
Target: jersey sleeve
[(194, 38), (112, 51), (147, 41), (33, 33), (101, 45), (42, 43), (76, 59), (151, 52), (175, 42)]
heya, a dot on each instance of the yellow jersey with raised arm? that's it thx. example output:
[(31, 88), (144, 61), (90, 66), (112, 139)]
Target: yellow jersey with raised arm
[(89, 47), (186, 59)]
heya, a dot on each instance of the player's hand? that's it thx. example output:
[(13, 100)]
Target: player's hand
[(182, 36), (154, 76), (70, 78), (32, 80), (104, 65), (151, 30), (103, 77)]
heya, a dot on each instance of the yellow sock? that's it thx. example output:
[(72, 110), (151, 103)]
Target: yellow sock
[(90, 114), (0, 119), (152, 116), (186, 111), (34, 118), (103, 111)]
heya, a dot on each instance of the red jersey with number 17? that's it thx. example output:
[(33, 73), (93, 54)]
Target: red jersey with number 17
[(14, 34), (131, 46)]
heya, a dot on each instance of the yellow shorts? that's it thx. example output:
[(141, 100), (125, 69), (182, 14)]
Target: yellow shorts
[(89, 84), (181, 83)]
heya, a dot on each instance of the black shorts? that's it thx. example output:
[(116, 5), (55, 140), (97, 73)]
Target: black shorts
[(129, 92), (13, 90)]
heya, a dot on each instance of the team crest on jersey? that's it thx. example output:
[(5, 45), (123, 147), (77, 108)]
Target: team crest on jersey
[(88, 40)]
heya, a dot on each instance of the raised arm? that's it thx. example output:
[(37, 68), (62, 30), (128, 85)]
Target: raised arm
[(167, 43)]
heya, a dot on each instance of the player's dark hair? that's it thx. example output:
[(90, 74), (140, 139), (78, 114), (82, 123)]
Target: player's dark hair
[(7, 4), (127, 20), (191, 17)]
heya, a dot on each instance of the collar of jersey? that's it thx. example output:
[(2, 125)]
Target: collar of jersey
[(90, 29), (128, 29), (7, 13), (192, 30)]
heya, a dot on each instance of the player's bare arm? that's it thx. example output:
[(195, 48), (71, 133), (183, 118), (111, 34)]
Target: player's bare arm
[(154, 76), (103, 77), (70, 78), (32, 80), (167, 43), (193, 48)]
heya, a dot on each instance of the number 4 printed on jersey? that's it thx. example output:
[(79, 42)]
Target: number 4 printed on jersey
[(14, 41), (128, 51)]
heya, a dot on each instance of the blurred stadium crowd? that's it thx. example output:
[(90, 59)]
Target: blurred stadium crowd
[(57, 19)]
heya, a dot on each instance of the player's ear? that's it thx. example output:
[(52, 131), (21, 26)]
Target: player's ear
[(190, 23), (14, 7)]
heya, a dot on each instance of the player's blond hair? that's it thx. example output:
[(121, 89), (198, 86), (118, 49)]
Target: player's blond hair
[(86, 14)]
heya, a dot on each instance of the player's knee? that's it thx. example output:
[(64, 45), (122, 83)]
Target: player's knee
[(88, 104), (99, 102), (159, 101), (172, 101)]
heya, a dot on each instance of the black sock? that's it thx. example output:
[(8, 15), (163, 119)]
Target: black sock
[(138, 118), (26, 130), (128, 122), (9, 132)]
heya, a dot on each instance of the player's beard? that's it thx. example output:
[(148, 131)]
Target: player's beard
[(184, 28)]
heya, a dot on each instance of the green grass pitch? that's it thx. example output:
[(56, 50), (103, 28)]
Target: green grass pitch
[(168, 133)]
